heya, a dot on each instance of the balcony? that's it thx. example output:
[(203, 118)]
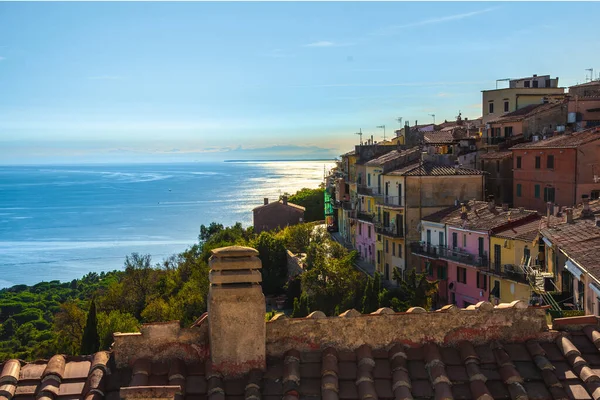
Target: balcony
[(390, 231), (518, 273), (365, 217), (392, 201), (365, 190), (463, 257), (425, 249)]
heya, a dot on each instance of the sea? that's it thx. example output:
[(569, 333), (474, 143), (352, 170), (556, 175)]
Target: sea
[(61, 222)]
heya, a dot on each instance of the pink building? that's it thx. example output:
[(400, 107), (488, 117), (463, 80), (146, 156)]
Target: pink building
[(467, 249), (365, 240)]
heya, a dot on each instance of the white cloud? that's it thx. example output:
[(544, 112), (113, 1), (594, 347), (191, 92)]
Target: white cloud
[(393, 29), (2, 58), (322, 43)]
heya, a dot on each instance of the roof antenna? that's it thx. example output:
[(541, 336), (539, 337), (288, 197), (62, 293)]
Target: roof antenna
[(359, 133), (591, 74)]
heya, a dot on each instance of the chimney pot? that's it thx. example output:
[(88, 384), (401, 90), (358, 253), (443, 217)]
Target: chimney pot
[(504, 206), (236, 311), (569, 212), (266, 199)]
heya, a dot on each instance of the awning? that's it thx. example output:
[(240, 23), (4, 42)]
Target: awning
[(548, 243), (595, 288), (573, 269)]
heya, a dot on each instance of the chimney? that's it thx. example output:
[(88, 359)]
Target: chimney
[(504, 206), (416, 122), (236, 311), (491, 203), (569, 212), (463, 211), (549, 208), (266, 199), (284, 200), (586, 212)]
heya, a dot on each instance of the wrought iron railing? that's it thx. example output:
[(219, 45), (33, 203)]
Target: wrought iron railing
[(463, 257)]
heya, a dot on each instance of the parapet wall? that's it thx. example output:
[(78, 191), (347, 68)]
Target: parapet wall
[(477, 324), (160, 341)]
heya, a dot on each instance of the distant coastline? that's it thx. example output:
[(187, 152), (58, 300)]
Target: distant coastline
[(284, 160)]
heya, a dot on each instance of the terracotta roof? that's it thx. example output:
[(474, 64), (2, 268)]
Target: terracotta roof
[(296, 206), (526, 232), (429, 168), (85, 377), (580, 240), (438, 137), (592, 83), (390, 156), (496, 155), (573, 140), (480, 217), (525, 112), (350, 153)]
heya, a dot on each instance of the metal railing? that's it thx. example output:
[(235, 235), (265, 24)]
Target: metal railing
[(391, 231), (393, 201), (425, 249), (463, 257), (363, 216)]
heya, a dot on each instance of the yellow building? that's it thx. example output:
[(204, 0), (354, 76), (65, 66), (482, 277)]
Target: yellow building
[(513, 269)]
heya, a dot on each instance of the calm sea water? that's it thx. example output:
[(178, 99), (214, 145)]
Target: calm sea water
[(62, 222)]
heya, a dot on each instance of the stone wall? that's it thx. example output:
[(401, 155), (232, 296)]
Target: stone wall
[(478, 324), (159, 341), (294, 264)]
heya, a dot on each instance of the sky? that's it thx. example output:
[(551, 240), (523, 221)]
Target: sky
[(136, 81)]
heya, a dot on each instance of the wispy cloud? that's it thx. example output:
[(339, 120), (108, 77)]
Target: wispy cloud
[(2, 58), (407, 84), (393, 29), (327, 43), (105, 78)]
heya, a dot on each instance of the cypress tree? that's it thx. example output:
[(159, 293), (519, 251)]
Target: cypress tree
[(90, 342)]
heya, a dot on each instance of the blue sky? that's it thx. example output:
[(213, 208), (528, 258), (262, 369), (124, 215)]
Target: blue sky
[(124, 81)]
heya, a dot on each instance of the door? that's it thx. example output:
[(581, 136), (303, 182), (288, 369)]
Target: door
[(387, 189), (480, 247), (497, 257), (441, 239), (399, 224), (428, 237)]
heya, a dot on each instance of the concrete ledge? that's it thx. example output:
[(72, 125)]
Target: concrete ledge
[(150, 392), (234, 263), (239, 276)]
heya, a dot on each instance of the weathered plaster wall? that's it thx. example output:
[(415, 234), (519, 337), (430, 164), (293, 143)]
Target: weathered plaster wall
[(159, 341), (379, 331)]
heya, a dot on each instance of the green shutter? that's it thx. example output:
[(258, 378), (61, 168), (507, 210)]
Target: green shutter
[(537, 191)]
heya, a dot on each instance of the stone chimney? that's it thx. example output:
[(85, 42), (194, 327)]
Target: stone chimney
[(284, 200), (236, 311), (504, 206), (266, 200), (491, 203), (569, 213)]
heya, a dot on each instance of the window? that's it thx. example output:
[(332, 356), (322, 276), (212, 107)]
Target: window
[(505, 105), (550, 162), (527, 84), (518, 190), (387, 246), (369, 179), (359, 228), (461, 275), (399, 250), (481, 281), (441, 238), (491, 107), (428, 236), (595, 195), (369, 231), (464, 240), (454, 240), (441, 272), (378, 256), (549, 194), (393, 248), (507, 131), (536, 84), (519, 162), (538, 162), (537, 191)]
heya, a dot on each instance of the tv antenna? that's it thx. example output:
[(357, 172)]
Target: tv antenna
[(433, 115), (359, 133), (591, 74), (382, 127), (399, 119)]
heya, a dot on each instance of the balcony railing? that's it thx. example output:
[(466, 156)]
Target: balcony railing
[(391, 231), (463, 257), (425, 249), (513, 272), (392, 201), (363, 216), (367, 190)]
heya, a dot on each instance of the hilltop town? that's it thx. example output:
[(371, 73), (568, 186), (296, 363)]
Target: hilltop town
[(501, 208)]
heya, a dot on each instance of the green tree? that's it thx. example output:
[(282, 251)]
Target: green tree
[(206, 232), (115, 321), (419, 289), (9, 327), (90, 340), (273, 255), (69, 324), (313, 200)]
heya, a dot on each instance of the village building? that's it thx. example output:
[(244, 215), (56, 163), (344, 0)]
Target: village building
[(499, 181), (584, 106), (557, 170), (277, 215)]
